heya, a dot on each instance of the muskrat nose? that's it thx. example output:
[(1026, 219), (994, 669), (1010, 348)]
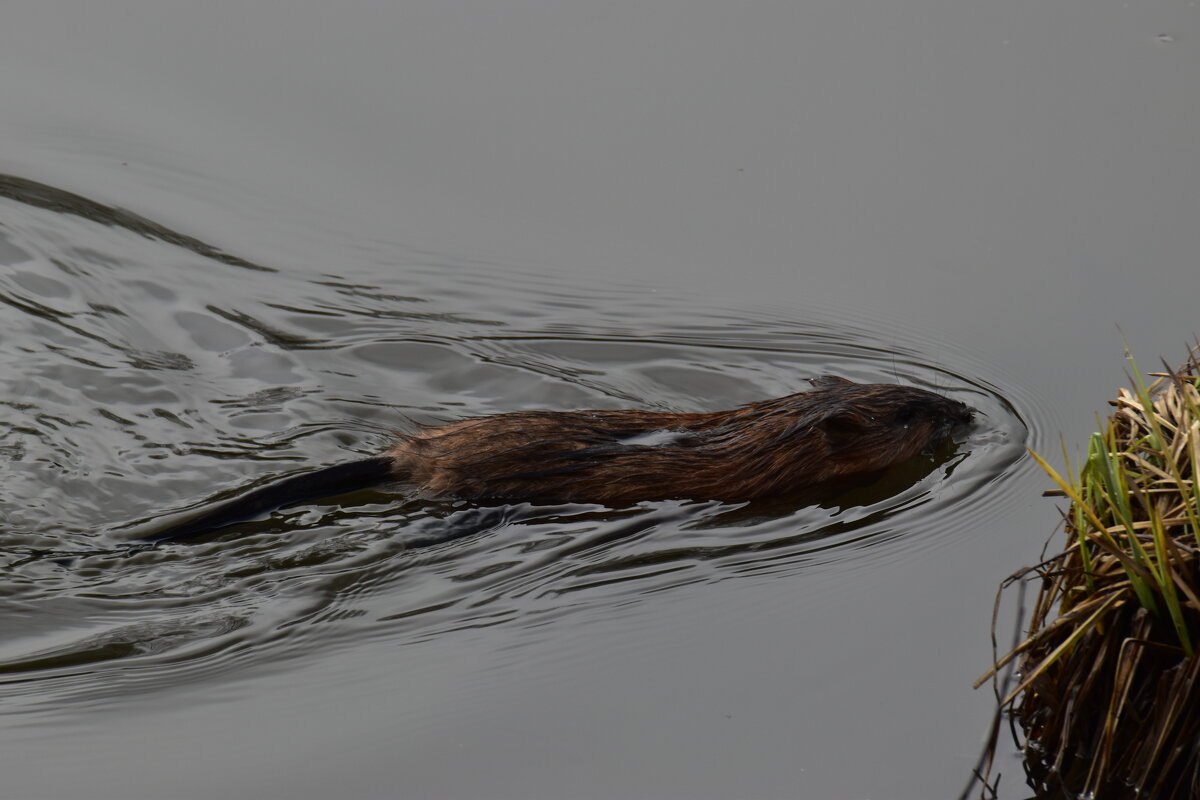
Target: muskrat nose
[(959, 413), (966, 413)]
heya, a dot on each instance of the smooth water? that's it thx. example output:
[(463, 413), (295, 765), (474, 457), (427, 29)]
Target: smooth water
[(232, 252)]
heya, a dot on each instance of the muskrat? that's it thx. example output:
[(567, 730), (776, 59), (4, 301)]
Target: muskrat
[(840, 431)]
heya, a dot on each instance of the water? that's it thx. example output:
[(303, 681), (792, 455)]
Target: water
[(139, 398), (156, 374), (228, 254)]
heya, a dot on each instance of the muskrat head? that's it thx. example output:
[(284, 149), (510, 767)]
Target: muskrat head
[(872, 426)]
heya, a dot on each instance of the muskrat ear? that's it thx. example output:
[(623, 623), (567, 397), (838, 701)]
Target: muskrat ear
[(829, 381), (840, 423)]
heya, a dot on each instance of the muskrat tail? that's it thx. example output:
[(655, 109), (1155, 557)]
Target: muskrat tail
[(327, 482)]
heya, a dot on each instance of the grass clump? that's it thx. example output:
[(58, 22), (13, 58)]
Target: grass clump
[(1108, 689)]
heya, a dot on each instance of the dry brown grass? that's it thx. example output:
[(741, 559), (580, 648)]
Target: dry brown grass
[(1109, 679)]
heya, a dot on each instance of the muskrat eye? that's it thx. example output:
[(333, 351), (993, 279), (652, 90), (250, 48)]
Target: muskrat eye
[(906, 416)]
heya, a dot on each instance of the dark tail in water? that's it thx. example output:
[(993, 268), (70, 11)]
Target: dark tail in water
[(326, 482)]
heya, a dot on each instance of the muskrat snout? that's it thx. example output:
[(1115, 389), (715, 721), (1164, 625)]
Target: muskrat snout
[(956, 417), (945, 416), (957, 414)]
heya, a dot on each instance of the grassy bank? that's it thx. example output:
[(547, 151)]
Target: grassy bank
[(1108, 678)]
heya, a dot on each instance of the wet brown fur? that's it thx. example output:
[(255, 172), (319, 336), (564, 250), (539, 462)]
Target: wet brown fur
[(838, 431)]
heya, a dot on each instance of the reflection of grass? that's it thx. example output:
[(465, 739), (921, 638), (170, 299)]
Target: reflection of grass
[(1110, 686)]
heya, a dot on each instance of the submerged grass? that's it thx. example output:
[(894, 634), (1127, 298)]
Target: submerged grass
[(1109, 674)]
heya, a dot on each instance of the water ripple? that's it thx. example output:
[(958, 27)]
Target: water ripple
[(154, 371)]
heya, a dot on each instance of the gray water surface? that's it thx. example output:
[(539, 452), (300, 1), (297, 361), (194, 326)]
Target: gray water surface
[(242, 241)]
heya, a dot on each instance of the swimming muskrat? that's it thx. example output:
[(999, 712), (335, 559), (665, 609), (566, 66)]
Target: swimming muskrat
[(840, 431)]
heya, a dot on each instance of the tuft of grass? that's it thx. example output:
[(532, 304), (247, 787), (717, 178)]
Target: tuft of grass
[(1109, 672)]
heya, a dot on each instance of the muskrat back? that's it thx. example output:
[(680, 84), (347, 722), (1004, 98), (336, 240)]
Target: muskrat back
[(838, 432), (615, 457)]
